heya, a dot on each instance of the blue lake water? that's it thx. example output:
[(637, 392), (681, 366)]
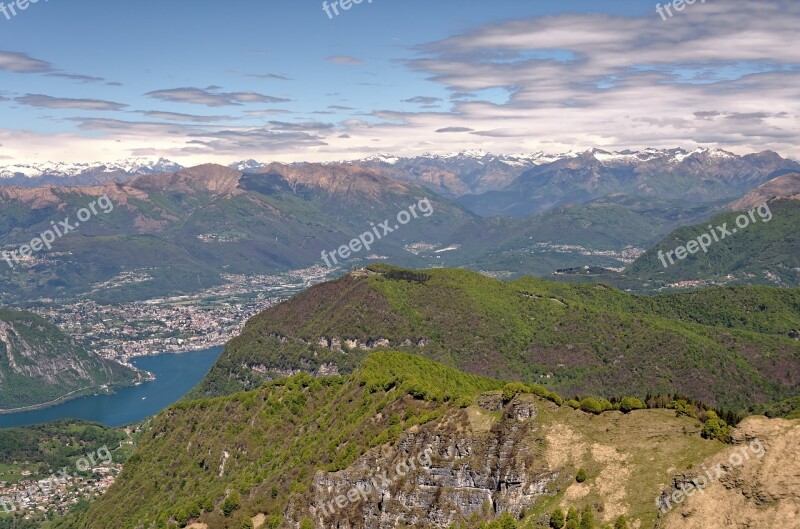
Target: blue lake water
[(175, 375)]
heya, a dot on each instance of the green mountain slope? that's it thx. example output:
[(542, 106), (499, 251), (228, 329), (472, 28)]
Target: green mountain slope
[(185, 229), (281, 453), (763, 252), (600, 233), (40, 365), (576, 339)]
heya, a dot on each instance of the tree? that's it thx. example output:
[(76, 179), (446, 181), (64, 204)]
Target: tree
[(581, 476), (231, 503), (629, 404), (182, 517), (587, 520), (507, 522), (557, 519), (572, 515), (716, 428)]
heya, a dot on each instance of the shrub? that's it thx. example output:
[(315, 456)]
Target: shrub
[(592, 405), (512, 389), (464, 402), (182, 518), (628, 404), (557, 519), (274, 521), (621, 523), (572, 403), (684, 408), (581, 476)]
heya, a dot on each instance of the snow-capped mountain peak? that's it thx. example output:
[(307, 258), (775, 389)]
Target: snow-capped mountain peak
[(131, 166), (383, 158), (246, 165)]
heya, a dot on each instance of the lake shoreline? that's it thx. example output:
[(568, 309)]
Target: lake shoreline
[(172, 374)]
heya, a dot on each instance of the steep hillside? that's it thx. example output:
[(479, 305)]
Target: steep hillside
[(607, 232), (41, 365), (766, 250), (186, 228), (575, 339), (786, 186), (401, 442)]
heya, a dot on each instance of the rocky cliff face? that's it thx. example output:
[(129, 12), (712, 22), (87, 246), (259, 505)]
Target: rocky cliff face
[(469, 465), (521, 458), (26, 359), (39, 364)]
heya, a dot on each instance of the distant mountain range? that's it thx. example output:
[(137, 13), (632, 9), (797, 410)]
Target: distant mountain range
[(516, 185), (700, 176), (190, 226), (80, 174)]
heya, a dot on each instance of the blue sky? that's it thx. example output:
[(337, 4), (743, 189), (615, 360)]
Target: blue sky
[(279, 80)]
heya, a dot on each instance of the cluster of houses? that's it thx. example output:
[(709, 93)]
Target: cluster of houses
[(32, 498)]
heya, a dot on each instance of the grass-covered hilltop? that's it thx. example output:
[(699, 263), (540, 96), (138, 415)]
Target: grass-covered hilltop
[(731, 348), (405, 442)]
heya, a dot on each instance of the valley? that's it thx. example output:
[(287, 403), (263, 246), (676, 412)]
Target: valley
[(198, 320), (441, 342), (420, 265)]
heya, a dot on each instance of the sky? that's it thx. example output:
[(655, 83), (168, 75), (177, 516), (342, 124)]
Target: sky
[(198, 81)]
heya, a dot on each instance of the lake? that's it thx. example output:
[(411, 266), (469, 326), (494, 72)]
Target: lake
[(175, 375)]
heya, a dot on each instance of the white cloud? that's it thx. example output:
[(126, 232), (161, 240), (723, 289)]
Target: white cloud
[(211, 97), (723, 74)]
